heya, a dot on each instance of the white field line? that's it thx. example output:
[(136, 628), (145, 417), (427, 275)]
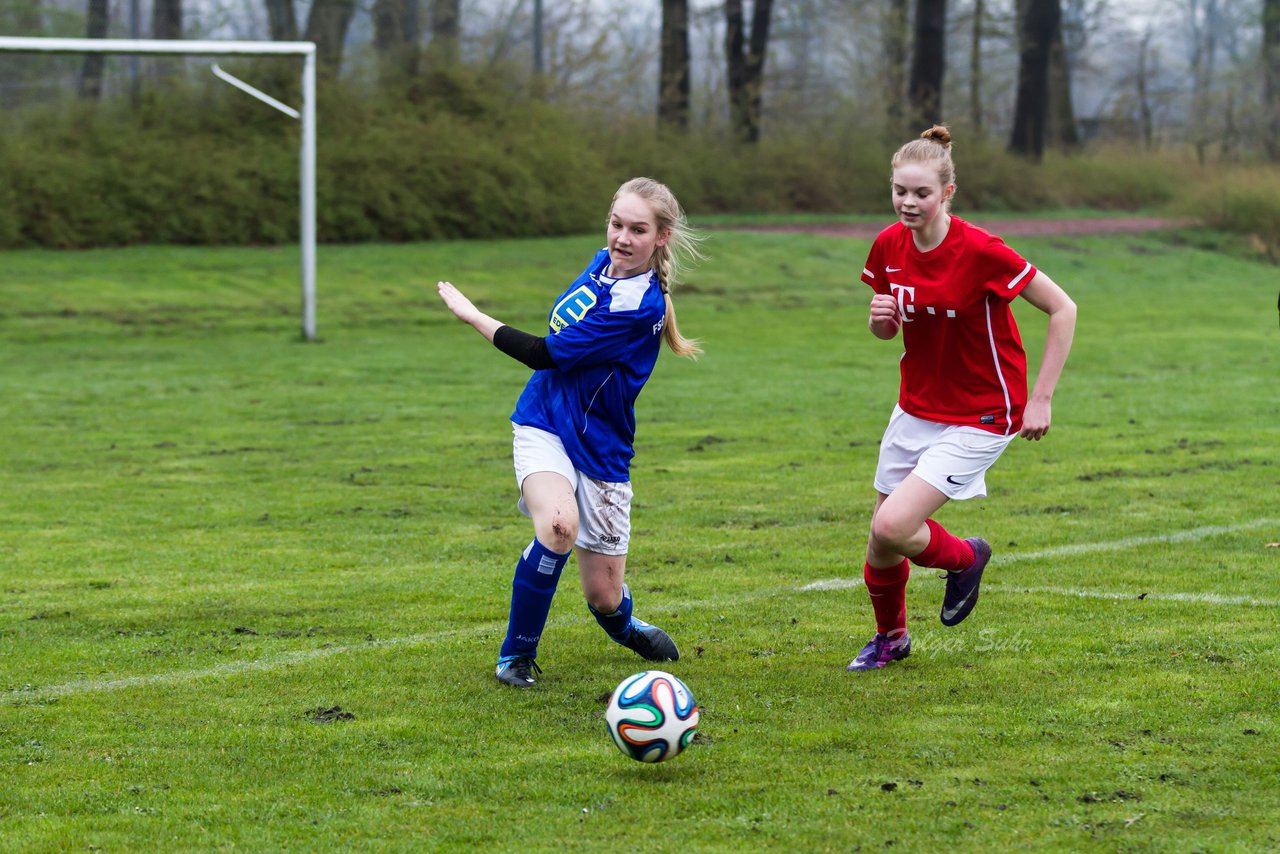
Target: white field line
[(305, 656), (1087, 548), (1199, 598), (230, 668), (1130, 542)]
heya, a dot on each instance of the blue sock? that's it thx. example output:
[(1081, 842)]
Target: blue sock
[(534, 585), (617, 624)]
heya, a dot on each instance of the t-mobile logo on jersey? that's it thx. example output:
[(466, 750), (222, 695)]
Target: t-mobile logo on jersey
[(906, 300), (906, 296)]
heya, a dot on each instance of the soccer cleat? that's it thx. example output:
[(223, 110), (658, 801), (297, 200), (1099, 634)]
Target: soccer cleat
[(881, 650), (962, 587), (517, 670), (650, 642)]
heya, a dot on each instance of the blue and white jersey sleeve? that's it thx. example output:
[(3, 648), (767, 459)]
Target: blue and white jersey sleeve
[(593, 326)]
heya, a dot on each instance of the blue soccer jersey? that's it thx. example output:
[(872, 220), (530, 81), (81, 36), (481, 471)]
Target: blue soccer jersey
[(604, 339)]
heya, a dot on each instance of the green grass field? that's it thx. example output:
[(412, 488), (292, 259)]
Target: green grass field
[(213, 535)]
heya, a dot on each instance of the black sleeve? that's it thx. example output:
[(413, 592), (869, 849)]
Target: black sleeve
[(523, 347)]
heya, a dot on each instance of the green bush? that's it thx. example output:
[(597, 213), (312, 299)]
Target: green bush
[(1244, 201), (459, 155), (1114, 180)]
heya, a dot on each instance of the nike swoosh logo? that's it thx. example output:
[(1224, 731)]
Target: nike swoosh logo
[(953, 481), (893, 269), (948, 614)]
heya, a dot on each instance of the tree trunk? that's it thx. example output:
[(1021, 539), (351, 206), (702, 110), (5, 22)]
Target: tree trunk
[(928, 64), (975, 69), (91, 70), (539, 64), (895, 68), (1038, 20), (166, 23), (1063, 134), (446, 16), (327, 27), (1204, 49), (1271, 75), (395, 37), (1146, 123), (746, 54), (673, 67), (166, 19), (282, 21)]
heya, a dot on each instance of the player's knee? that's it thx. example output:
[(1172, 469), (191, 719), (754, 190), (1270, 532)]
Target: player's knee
[(891, 533), (560, 531), (603, 598)]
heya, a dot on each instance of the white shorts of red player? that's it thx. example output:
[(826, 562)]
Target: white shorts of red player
[(950, 458)]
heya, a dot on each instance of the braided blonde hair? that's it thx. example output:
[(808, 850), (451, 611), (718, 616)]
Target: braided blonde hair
[(682, 243)]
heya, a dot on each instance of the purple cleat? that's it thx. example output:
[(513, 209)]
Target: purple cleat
[(962, 587), (881, 650)]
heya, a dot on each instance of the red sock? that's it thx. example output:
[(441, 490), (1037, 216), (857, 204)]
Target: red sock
[(888, 589), (945, 550)]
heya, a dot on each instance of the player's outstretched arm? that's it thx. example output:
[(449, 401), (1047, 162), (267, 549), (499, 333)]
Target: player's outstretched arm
[(465, 311), (521, 346), (1045, 295)]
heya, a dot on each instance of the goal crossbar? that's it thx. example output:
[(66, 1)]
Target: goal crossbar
[(307, 115)]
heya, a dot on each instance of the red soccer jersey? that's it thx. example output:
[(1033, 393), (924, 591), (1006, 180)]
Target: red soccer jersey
[(964, 362)]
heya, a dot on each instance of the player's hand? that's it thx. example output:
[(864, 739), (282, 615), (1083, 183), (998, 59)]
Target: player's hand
[(1035, 420), (456, 302), (884, 319)]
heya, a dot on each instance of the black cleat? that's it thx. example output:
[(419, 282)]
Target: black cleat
[(517, 670), (962, 587), (650, 642)]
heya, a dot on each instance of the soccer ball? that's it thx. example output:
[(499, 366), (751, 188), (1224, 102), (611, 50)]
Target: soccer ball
[(652, 716)]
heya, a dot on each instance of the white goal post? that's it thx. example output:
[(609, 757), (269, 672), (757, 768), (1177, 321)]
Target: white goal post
[(307, 116)]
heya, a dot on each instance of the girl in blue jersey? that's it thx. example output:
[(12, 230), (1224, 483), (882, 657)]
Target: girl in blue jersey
[(575, 421)]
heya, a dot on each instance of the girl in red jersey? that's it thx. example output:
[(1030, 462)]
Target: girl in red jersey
[(948, 286)]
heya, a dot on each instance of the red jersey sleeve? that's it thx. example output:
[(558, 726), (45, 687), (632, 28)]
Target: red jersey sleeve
[(873, 271), (1004, 272)]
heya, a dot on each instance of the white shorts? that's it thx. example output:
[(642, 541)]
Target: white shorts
[(604, 508), (952, 459)]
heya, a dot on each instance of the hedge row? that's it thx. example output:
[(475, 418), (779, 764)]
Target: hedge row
[(461, 157)]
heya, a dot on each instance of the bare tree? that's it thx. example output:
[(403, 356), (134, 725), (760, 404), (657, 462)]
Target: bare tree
[(395, 37), (1038, 21), (446, 29), (1202, 19), (746, 55), (166, 23), (166, 19), (1062, 133), (1271, 75), (975, 67), (1146, 61), (673, 67), (327, 27), (282, 22), (895, 59), (928, 63), (91, 71)]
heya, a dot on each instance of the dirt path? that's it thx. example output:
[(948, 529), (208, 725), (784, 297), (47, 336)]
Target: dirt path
[(1002, 227)]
